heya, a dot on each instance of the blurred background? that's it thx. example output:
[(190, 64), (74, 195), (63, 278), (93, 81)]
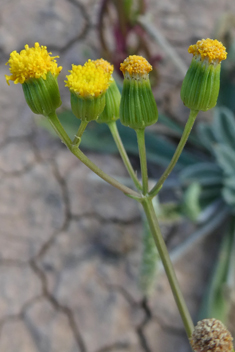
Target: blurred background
[(78, 268)]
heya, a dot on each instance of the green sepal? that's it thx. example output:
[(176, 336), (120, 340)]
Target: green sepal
[(112, 104), (42, 95), (200, 88), (138, 108), (88, 108)]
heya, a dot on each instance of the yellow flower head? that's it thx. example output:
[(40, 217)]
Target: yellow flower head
[(107, 67), (89, 80), (33, 62), (135, 66), (209, 49)]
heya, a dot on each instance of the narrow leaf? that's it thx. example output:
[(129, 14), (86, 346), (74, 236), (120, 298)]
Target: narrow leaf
[(226, 158), (191, 205), (215, 303), (206, 173), (224, 126), (206, 135)]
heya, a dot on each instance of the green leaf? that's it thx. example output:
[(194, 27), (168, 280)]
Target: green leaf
[(215, 219), (210, 196), (224, 127), (206, 135), (203, 173), (229, 196), (228, 191), (226, 158), (191, 206), (216, 303), (177, 129), (227, 88), (172, 125), (161, 150), (170, 212), (229, 182), (210, 193)]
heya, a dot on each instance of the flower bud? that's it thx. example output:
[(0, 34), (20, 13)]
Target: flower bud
[(112, 95), (212, 336), (201, 84), (87, 84), (88, 108), (112, 104), (138, 108), (42, 96), (37, 71)]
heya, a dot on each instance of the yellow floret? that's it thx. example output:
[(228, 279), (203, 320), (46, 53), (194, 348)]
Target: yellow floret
[(32, 62), (88, 80), (107, 67), (135, 65), (211, 49)]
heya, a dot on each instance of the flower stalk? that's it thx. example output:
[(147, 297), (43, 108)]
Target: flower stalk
[(117, 139), (188, 127), (143, 159), (78, 137)]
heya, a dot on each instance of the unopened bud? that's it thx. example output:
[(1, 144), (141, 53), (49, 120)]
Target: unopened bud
[(138, 108), (201, 84)]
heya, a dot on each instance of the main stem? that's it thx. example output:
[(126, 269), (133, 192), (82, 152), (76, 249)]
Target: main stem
[(143, 160), (79, 154), (114, 131), (163, 252), (183, 140)]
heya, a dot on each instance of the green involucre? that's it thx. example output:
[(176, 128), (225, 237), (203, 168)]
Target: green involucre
[(200, 88), (42, 95), (138, 108), (112, 104), (87, 109)]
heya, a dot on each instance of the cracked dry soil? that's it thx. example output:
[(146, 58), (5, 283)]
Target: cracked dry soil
[(69, 255)]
